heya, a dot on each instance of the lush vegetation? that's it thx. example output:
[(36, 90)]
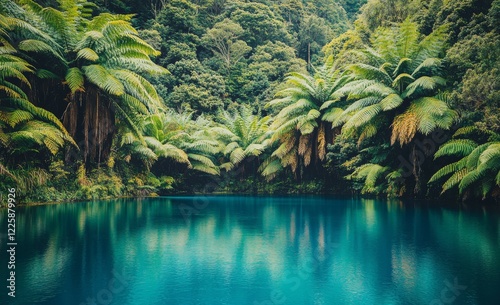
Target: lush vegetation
[(122, 98)]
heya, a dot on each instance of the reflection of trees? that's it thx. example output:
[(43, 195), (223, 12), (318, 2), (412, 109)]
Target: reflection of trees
[(240, 242)]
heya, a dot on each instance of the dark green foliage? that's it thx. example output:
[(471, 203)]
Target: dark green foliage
[(461, 16), (474, 64), (194, 87), (292, 12), (179, 21), (331, 11), (384, 13), (313, 34), (270, 26), (352, 7)]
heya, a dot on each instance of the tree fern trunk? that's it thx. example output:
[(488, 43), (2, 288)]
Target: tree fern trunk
[(90, 120)]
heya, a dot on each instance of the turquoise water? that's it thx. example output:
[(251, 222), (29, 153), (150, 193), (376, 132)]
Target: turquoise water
[(253, 250)]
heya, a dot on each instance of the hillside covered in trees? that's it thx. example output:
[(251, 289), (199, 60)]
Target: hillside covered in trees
[(111, 98)]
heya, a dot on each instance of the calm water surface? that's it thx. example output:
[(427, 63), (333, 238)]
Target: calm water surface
[(253, 250)]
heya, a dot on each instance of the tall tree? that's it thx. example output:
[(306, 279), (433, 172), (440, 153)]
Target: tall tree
[(314, 33), (223, 39)]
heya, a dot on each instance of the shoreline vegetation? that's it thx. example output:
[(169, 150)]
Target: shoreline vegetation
[(119, 99)]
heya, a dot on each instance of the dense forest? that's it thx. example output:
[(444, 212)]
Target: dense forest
[(111, 98)]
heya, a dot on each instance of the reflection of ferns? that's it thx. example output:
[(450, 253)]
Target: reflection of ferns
[(477, 170)]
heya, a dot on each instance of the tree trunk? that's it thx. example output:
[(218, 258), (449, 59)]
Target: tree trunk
[(90, 120)]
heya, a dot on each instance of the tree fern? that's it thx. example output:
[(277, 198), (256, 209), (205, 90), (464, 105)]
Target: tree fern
[(304, 105), (400, 78), (478, 168), (98, 59), (23, 126), (245, 134)]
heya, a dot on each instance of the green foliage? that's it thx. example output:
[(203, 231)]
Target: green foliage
[(175, 137), (98, 60), (292, 12), (393, 86), (400, 73), (270, 25), (401, 76), (377, 13), (223, 41), (352, 7), (244, 134), (372, 175), (475, 62), (274, 60), (340, 46), (478, 169), (314, 32), (25, 130), (178, 21)]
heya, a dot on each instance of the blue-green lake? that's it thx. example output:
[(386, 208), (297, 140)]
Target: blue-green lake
[(253, 250)]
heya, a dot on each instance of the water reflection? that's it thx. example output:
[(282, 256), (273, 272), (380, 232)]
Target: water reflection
[(241, 250)]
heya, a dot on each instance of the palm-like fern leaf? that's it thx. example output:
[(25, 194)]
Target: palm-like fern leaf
[(479, 166)]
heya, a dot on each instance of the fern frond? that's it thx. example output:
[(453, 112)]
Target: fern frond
[(426, 64), (391, 101), (75, 80), (457, 147), (101, 77), (370, 72), (404, 127), (473, 158), (423, 83), (448, 169), (270, 168), (454, 180), (332, 115), (88, 54), (202, 159), (363, 116), (37, 46), (490, 154)]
